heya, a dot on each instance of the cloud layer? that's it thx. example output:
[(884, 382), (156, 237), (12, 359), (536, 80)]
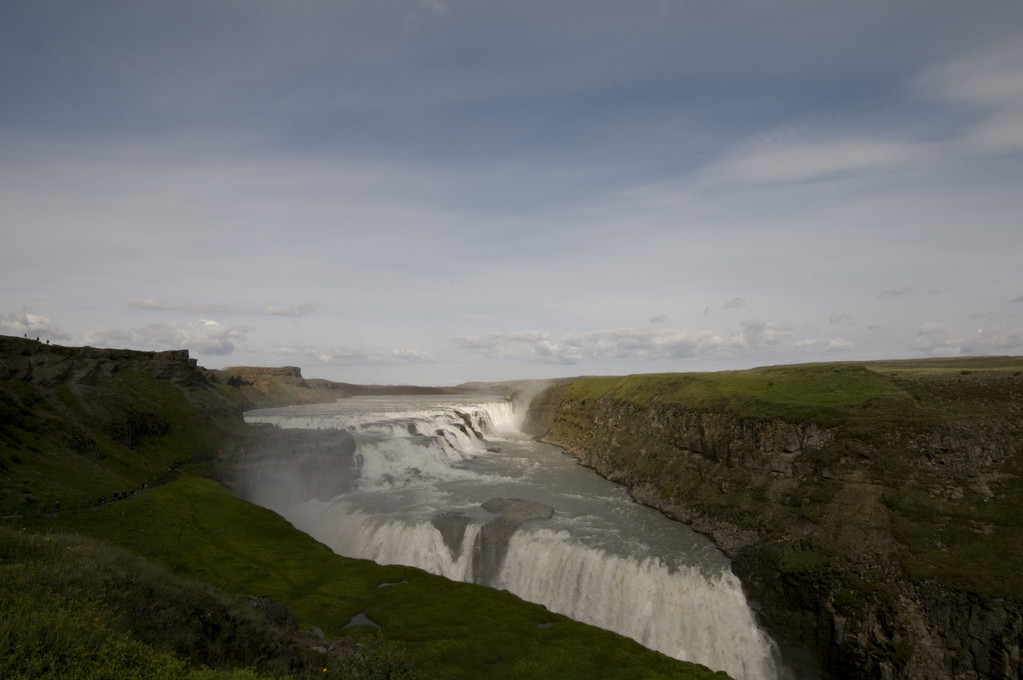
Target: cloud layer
[(438, 190)]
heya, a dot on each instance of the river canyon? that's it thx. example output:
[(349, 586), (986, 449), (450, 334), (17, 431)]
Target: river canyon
[(451, 485)]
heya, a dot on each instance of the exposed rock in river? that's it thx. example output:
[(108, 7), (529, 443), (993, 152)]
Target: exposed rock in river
[(492, 541)]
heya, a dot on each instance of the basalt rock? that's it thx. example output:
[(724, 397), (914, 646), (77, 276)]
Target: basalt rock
[(495, 534), (49, 365), (491, 543), (838, 528)]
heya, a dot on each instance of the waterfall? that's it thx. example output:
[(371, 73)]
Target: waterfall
[(449, 486), (683, 613)]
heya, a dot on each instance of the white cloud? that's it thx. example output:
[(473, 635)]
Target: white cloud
[(764, 333), (351, 356), (31, 325), (804, 161), (625, 343), (841, 345), (990, 85), (299, 310), (1001, 132), (412, 356), (158, 306), (838, 317), (946, 339), (201, 336), (618, 190), (426, 10), (435, 7)]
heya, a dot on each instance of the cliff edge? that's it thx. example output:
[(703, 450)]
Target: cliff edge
[(871, 510)]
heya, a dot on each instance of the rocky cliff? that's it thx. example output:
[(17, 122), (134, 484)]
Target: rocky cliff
[(49, 365), (871, 514)]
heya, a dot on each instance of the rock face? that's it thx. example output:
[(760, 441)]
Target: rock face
[(492, 540), (884, 544), (495, 534), (48, 365)]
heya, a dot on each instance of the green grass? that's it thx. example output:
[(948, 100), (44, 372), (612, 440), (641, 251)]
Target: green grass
[(73, 607), (973, 542), (448, 629), (71, 444), (822, 393)]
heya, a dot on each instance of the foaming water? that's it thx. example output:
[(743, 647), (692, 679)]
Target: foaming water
[(430, 484), (685, 612)]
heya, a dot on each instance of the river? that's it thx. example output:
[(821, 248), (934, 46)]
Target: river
[(449, 484)]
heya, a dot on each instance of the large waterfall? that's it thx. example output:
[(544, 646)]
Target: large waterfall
[(449, 485)]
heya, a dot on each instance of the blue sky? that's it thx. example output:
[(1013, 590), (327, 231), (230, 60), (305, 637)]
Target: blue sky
[(436, 191)]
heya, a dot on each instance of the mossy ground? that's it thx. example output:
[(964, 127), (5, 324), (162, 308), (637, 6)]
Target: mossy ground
[(455, 630), (819, 393)]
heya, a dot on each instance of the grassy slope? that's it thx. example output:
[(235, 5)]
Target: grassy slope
[(821, 393), (74, 607), (61, 446), (452, 629)]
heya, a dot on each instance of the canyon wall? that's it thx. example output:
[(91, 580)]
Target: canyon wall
[(873, 517)]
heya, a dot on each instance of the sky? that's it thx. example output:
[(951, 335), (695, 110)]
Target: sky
[(439, 191)]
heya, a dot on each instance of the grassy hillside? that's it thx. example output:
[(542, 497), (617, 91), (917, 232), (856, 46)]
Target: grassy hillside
[(820, 393), (448, 629), (78, 424), (75, 607), (160, 582), (260, 387)]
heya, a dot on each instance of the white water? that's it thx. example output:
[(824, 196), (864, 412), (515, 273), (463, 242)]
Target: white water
[(601, 558)]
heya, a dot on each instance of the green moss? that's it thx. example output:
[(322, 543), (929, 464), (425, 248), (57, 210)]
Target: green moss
[(971, 542), (455, 630), (803, 562), (827, 394), (74, 607)]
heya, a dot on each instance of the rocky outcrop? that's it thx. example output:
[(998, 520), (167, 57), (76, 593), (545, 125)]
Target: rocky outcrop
[(492, 541), (879, 538), (495, 534), (271, 386), (49, 365)]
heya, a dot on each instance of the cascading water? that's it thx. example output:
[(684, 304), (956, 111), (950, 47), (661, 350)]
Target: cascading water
[(449, 485)]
